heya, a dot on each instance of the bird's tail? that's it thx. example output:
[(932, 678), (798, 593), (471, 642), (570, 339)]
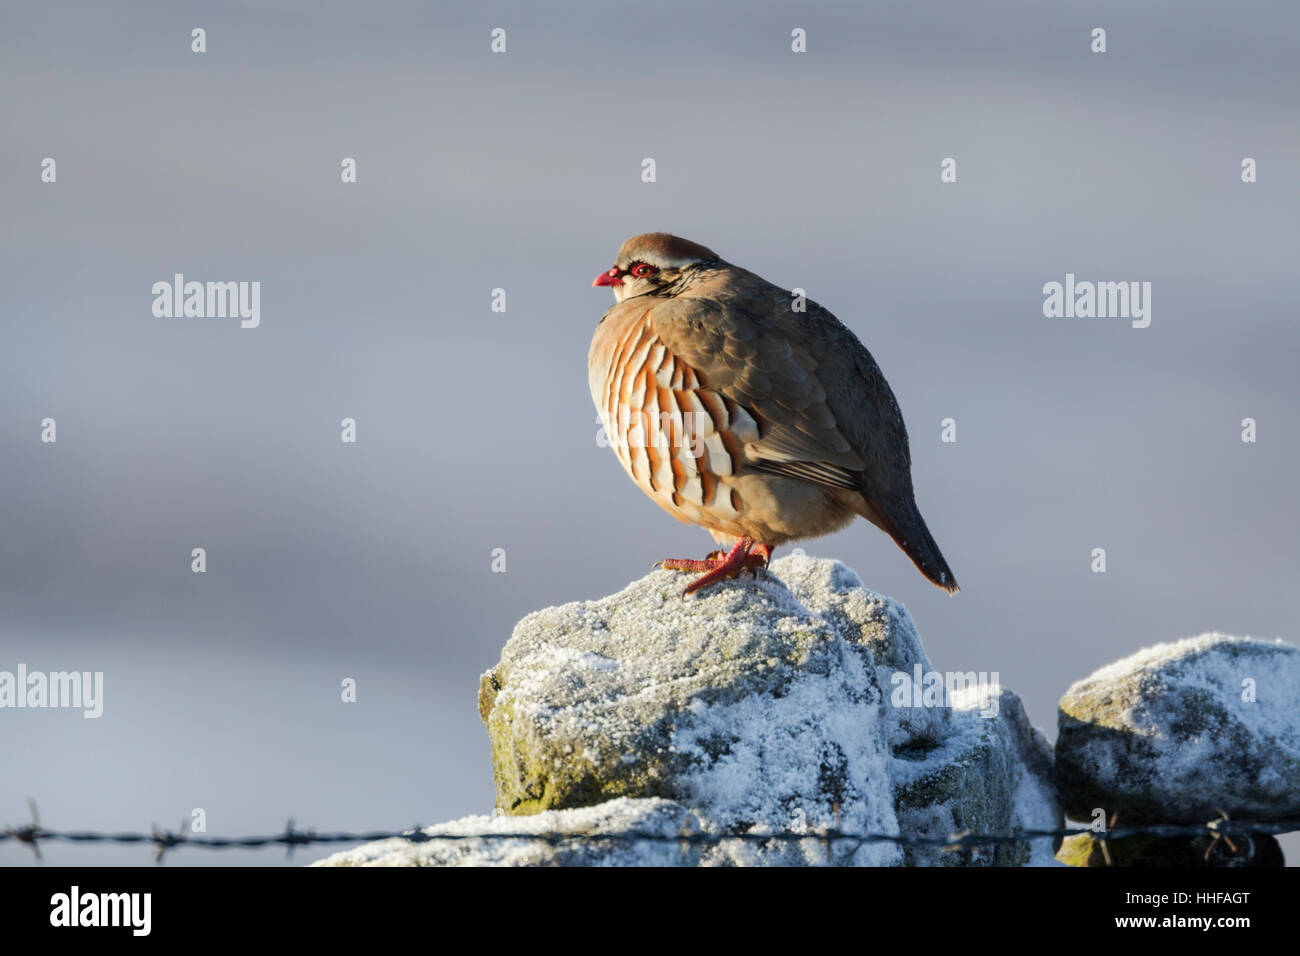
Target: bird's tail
[(906, 526)]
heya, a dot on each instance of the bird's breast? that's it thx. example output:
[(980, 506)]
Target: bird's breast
[(679, 440)]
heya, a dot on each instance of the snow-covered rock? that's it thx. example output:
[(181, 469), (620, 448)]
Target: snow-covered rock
[(986, 775), (556, 838), (1178, 732), (795, 699)]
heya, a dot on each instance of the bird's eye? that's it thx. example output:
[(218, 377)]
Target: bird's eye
[(641, 270)]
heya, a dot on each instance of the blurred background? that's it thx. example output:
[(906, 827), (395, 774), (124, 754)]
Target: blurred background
[(475, 429)]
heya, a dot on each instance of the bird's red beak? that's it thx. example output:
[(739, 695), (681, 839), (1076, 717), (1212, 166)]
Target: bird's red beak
[(612, 277)]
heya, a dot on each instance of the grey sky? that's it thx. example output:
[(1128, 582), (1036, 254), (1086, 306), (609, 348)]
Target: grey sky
[(476, 431)]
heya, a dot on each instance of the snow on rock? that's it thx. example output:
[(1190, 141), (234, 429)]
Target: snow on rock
[(539, 840), (761, 705), (1178, 732), (835, 593), (991, 774)]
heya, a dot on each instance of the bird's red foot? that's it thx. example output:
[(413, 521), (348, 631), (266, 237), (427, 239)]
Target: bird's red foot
[(744, 555)]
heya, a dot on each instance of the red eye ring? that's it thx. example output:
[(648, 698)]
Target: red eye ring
[(641, 270)]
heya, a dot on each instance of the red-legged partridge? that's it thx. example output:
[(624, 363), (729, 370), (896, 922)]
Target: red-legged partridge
[(737, 413)]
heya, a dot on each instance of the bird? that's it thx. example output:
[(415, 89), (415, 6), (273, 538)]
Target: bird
[(747, 410)]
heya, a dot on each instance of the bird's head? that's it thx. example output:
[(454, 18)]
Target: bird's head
[(653, 264)]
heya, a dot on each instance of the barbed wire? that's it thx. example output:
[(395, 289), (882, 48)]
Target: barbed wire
[(1222, 828)]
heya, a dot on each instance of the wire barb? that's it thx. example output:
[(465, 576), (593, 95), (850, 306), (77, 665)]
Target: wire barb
[(1215, 827), (28, 834), (164, 841)]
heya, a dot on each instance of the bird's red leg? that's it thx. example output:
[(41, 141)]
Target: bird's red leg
[(744, 554)]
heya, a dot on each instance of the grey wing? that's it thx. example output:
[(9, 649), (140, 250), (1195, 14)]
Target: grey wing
[(825, 412)]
